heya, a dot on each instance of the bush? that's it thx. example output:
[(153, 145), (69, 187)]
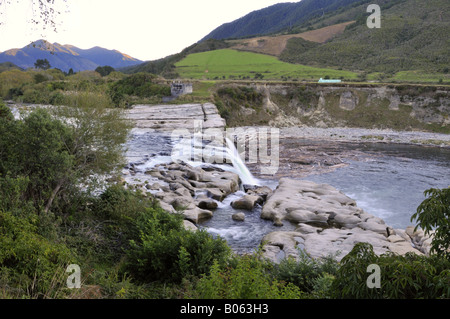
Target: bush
[(167, 252), (138, 85), (31, 264), (247, 279), (402, 277), (433, 215), (306, 273)]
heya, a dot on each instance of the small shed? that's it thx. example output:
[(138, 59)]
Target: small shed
[(180, 88)]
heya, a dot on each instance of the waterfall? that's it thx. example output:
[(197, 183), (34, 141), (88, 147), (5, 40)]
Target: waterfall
[(244, 173), (195, 152)]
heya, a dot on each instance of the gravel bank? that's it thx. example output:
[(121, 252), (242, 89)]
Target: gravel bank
[(367, 135)]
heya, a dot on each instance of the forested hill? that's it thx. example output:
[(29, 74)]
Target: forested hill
[(282, 16)]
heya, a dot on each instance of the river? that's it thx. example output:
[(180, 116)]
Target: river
[(386, 180)]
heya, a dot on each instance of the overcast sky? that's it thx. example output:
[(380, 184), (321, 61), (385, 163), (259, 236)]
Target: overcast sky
[(144, 29)]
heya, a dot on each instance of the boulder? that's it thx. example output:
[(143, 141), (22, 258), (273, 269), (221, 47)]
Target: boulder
[(261, 191), (216, 193), (375, 227), (286, 243), (206, 203), (188, 225), (307, 217), (248, 202), (195, 215), (307, 202), (239, 217)]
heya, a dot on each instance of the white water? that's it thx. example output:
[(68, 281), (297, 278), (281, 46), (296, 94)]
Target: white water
[(196, 153), (390, 187), (246, 176)]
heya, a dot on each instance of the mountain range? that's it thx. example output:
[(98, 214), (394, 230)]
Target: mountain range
[(66, 57), (334, 34)]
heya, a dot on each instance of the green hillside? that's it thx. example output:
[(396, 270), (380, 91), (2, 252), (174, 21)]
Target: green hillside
[(280, 17), (413, 36), (232, 64)]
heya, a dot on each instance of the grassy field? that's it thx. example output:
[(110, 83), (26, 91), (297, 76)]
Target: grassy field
[(232, 64)]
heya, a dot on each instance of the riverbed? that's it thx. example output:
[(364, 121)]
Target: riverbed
[(387, 180)]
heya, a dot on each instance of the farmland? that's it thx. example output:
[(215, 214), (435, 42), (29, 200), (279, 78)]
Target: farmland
[(232, 64)]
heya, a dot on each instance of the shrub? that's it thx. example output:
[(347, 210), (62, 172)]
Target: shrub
[(434, 215), (247, 279), (167, 252), (402, 277), (139, 85), (30, 263), (306, 273)]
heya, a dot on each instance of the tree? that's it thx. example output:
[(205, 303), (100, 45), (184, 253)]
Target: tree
[(434, 215), (42, 64), (62, 153), (104, 70), (98, 135)]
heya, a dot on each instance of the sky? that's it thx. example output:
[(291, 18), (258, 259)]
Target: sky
[(144, 29)]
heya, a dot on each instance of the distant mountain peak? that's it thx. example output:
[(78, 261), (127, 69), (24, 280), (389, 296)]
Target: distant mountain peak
[(67, 56)]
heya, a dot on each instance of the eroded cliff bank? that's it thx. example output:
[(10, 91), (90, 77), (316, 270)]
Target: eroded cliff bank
[(398, 107)]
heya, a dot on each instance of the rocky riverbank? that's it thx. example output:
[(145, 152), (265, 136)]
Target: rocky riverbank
[(315, 218), (329, 223)]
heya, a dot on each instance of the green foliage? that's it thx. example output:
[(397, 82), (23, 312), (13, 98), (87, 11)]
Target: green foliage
[(248, 278), (57, 156), (39, 78), (13, 79), (30, 265), (167, 252), (433, 215), (101, 227), (230, 101), (42, 64), (402, 277), (411, 38), (6, 66), (294, 47), (36, 148), (98, 135), (104, 70), (140, 85), (312, 276)]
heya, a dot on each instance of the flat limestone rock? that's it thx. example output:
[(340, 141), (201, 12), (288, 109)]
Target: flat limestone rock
[(302, 201), (329, 224)]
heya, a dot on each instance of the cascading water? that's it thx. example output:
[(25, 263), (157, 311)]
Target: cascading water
[(196, 152), (242, 170), (389, 186), (241, 236)]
